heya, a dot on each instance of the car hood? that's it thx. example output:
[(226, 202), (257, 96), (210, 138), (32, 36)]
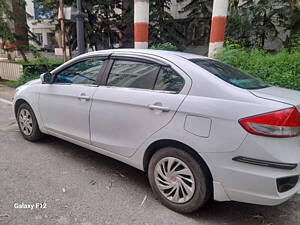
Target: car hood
[(279, 94), (36, 81)]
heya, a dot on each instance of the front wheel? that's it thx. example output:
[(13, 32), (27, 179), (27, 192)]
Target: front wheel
[(27, 123), (180, 182)]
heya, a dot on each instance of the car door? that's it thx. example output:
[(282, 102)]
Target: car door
[(65, 103), (139, 98)]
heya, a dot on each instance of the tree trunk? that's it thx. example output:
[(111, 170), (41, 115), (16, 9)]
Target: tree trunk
[(126, 31), (23, 55), (263, 36)]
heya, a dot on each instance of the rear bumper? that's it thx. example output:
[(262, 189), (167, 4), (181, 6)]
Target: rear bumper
[(258, 162), (251, 183)]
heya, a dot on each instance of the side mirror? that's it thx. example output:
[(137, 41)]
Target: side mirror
[(46, 78)]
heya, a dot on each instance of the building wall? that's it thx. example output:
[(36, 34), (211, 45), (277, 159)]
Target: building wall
[(176, 7), (42, 28)]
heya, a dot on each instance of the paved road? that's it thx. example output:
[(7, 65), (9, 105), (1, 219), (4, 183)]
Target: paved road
[(81, 187), (6, 92)]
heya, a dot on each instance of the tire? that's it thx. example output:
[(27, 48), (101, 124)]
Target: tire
[(27, 119), (164, 184)]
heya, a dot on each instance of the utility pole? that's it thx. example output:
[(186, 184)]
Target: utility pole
[(79, 28), (62, 28), (218, 24), (141, 21)]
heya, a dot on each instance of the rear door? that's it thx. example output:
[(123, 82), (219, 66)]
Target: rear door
[(139, 98)]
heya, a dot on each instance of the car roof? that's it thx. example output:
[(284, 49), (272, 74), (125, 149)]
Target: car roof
[(160, 53), (166, 55)]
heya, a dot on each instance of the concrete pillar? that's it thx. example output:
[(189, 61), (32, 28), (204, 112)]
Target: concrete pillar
[(45, 38), (1, 43), (141, 22), (218, 23)]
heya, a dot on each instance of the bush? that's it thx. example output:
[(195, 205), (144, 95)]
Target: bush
[(33, 70), (281, 69), (294, 44), (165, 46)]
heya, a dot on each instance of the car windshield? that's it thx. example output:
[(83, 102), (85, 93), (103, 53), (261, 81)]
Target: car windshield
[(229, 74)]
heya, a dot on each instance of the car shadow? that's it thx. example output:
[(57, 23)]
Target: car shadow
[(226, 213)]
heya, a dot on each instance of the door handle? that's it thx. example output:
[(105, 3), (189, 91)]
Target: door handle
[(84, 97), (159, 107)]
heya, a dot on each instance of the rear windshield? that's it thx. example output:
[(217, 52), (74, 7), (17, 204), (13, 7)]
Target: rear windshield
[(230, 74)]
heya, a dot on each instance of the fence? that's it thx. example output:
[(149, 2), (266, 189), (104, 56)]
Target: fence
[(10, 71)]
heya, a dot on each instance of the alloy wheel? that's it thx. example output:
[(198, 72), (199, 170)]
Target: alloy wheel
[(25, 120)]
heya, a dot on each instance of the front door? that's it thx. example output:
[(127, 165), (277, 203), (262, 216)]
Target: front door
[(65, 104), (139, 99)]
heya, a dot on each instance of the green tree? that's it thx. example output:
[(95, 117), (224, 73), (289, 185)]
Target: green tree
[(7, 19), (125, 26), (199, 13), (104, 25), (163, 28), (252, 22), (5, 16), (293, 40), (101, 20)]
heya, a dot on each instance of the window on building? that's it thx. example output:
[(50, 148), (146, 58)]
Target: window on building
[(51, 39), (41, 11), (39, 37)]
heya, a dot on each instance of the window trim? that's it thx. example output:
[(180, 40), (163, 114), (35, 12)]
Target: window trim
[(138, 58), (98, 76)]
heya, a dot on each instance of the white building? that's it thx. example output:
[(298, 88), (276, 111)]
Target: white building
[(40, 24)]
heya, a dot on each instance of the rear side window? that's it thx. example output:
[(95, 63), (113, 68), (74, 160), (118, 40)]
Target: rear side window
[(133, 74), (229, 74), (169, 80)]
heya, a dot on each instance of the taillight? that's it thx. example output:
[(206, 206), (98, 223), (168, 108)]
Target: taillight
[(282, 123)]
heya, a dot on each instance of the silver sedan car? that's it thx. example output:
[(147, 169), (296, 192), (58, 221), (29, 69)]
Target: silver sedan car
[(199, 128)]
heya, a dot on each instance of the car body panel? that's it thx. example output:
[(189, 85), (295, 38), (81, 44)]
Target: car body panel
[(123, 127), (279, 94), (64, 112), (132, 121), (30, 93)]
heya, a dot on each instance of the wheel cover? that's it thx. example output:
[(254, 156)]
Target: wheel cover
[(174, 180), (25, 121)]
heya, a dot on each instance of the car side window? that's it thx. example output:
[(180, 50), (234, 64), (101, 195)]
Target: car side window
[(133, 74), (84, 72), (169, 80)]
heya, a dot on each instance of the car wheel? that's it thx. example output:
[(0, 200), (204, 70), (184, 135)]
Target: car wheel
[(180, 182), (27, 123)]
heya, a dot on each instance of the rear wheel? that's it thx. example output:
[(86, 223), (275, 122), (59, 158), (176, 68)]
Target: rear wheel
[(27, 123), (180, 182)]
